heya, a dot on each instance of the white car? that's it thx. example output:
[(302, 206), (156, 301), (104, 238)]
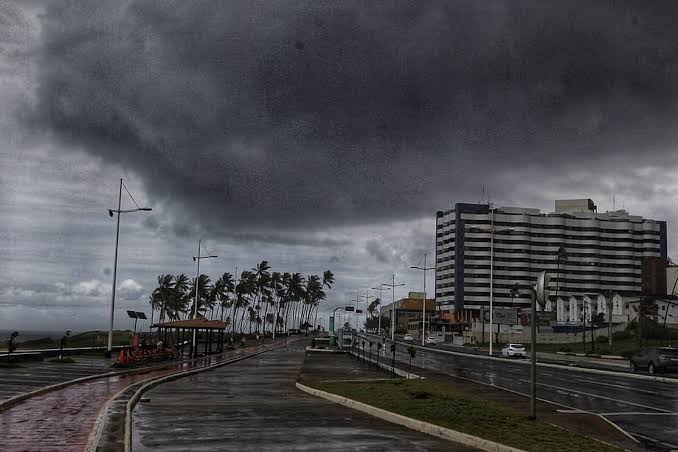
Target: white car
[(512, 350), (430, 340), (408, 338)]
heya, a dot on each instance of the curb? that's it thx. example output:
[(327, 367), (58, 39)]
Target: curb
[(558, 366), (413, 424)]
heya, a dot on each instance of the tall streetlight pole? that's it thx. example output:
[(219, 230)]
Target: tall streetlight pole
[(423, 304), (197, 281), (492, 232), (367, 302), (115, 260), (393, 285), (381, 300)]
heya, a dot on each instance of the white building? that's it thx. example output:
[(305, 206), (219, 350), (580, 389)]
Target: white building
[(601, 267)]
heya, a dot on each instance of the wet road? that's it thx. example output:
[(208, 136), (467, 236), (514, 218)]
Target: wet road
[(254, 405), (33, 375), (644, 408)]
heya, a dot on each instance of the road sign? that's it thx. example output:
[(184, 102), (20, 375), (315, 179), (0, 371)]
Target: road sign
[(542, 288), (349, 308)]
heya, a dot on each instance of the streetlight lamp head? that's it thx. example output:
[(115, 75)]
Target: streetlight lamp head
[(193, 258), (146, 209), (110, 213)]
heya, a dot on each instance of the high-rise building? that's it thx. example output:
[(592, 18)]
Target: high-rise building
[(591, 256)]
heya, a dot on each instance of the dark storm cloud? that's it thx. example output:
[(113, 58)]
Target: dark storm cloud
[(304, 114)]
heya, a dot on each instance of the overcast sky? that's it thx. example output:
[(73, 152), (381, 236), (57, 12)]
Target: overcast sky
[(316, 135)]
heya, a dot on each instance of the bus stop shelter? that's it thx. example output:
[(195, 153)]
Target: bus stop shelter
[(213, 332)]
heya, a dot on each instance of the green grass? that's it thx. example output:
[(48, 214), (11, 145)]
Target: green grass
[(622, 347), (439, 404)]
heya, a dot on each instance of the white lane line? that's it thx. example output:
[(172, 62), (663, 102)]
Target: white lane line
[(574, 391), (621, 386), (649, 438), (638, 413)]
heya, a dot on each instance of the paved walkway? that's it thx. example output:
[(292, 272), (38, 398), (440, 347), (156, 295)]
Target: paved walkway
[(62, 420), (253, 405)]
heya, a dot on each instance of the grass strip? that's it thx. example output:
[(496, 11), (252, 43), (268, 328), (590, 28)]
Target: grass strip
[(439, 404)]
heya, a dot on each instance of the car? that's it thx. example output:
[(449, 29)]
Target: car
[(655, 359), (430, 340), (408, 338), (512, 350)]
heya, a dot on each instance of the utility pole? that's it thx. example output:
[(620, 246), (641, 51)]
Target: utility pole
[(393, 285), (423, 304), (381, 300), (115, 259), (195, 301)]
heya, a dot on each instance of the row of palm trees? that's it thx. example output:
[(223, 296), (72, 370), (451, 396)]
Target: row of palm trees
[(258, 300)]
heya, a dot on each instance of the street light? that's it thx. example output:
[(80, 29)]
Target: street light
[(423, 304), (367, 302), (111, 212), (393, 285), (381, 300), (492, 230), (195, 301)]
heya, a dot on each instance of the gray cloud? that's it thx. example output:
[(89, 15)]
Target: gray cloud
[(293, 115)]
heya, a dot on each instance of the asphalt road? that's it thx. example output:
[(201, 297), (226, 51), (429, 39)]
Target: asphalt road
[(646, 409), (253, 405)]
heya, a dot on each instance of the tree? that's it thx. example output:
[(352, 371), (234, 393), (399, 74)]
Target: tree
[(205, 300)]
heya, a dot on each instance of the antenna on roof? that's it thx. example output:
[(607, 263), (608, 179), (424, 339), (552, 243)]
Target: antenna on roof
[(613, 203)]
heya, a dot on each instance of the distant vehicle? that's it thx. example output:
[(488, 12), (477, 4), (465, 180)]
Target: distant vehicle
[(408, 338), (656, 359), (430, 340), (512, 350)]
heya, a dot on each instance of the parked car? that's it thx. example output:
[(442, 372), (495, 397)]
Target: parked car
[(430, 340), (408, 338), (656, 359), (511, 350)]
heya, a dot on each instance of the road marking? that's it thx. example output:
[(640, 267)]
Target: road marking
[(656, 441), (638, 413), (620, 386), (574, 391)]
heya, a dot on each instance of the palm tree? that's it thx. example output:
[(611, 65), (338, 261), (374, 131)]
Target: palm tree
[(163, 292), (205, 300)]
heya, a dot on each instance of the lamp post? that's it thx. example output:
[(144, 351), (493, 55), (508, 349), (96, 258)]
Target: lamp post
[(115, 260), (492, 230), (393, 285), (367, 303), (195, 301), (381, 300), (423, 304)]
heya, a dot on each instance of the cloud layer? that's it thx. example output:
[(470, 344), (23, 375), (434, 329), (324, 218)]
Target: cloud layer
[(297, 115)]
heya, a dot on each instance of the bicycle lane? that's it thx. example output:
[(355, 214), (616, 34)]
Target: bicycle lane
[(62, 420)]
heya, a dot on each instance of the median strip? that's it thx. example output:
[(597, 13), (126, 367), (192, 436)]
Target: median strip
[(432, 407)]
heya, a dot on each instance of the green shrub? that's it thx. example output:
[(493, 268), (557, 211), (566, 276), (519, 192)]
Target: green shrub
[(621, 335), (565, 349), (601, 340)]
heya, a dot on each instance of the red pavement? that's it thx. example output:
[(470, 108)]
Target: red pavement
[(63, 419)]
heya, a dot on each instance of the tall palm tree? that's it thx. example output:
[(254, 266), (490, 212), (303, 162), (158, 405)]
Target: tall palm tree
[(205, 300), (163, 292)]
